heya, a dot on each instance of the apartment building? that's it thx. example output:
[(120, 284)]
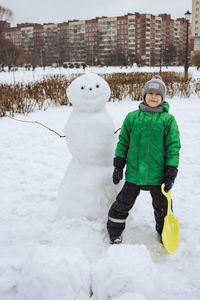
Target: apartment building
[(122, 35), (77, 41), (63, 42), (50, 44), (144, 39), (195, 28), (27, 39), (38, 37), (131, 37), (14, 35), (107, 40), (179, 39), (91, 42)]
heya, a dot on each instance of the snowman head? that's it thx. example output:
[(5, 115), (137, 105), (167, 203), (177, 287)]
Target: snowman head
[(88, 92)]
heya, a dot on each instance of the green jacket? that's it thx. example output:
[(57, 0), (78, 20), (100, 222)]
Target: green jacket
[(149, 141)]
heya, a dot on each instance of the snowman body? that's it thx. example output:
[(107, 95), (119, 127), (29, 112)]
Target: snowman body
[(87, 189)]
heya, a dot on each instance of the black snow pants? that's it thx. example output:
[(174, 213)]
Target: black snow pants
[(124, 202)]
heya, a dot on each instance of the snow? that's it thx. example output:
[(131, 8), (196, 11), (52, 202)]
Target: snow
[(49, 273), (126, 269), (130, 296), (39, 73), (47, 256)]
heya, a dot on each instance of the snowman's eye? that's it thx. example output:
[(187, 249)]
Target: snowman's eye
[(97, 86), (82, 87)]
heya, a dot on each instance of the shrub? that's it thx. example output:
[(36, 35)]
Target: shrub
[(25, 98)]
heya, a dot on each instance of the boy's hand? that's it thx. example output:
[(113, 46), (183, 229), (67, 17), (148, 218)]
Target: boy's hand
[(169, 177), (119, 164), (117, 175), (168, 186)]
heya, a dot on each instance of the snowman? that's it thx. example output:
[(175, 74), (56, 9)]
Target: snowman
[(87, 189)]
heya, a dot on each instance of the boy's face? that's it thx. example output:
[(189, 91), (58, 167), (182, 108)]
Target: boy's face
[(153, 99)]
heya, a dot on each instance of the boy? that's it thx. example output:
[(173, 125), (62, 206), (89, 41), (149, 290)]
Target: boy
[(149, 146)]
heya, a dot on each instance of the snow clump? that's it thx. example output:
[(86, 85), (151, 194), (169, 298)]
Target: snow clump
[(51, 273), (124, 269)]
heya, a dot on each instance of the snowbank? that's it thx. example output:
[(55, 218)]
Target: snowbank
[(124, 269), (50, 273), (27, 76)]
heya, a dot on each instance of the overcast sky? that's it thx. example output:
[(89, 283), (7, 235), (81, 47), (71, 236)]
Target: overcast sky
[(56, 11)]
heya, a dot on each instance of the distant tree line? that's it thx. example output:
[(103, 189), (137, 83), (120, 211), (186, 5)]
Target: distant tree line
[(10, 55)]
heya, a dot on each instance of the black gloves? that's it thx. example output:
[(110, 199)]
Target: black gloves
[(117, 175), (119, 164), (169, 177)]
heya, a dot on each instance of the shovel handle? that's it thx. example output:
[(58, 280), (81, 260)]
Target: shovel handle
[(168, 196)]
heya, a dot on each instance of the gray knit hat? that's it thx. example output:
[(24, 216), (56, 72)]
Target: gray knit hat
[(154, 85)]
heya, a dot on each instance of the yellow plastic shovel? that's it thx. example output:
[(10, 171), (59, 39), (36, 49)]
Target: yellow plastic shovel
[(170, 233)]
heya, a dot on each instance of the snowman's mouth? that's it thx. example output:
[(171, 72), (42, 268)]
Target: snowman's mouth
[(90, 96)]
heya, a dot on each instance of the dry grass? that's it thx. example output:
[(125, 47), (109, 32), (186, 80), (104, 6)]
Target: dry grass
[(131, 84), (25, 98)]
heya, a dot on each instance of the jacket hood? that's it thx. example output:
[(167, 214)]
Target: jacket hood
[(165, 106)]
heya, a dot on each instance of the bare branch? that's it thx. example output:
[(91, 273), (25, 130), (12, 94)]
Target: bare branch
[(117, 130), (5, 13), (35, 122)]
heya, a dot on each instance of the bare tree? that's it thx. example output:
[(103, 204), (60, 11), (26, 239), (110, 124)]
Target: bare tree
[(195, 59), (169, 55), (5, 15), (9, 54), (33, 59)]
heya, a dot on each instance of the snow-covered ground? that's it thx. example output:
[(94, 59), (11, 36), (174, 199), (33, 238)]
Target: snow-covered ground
[(45, 256), (27, 76)]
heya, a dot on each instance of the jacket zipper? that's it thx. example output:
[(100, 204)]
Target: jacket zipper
[(139, 139), (148, 148)]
